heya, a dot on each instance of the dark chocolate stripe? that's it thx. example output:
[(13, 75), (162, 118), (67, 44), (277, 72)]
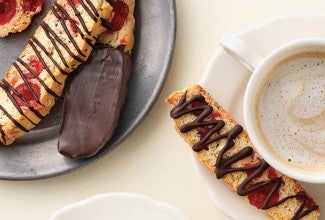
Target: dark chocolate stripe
[(40, 58), (89, 42), (92, 7), (244, 190), (3, 135), (223, 164), (106, 23), (38, 78), (301, 212), (198, 122), (31, 42), (66, 14), (49, 31), (13, 120), (22, 76), (11, 89), (259, 168), (15, 103), (46, 29), (67, 31), (90, 13), (78, 15)]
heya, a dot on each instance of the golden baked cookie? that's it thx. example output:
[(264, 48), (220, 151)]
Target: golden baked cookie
[(16, 15), (225, 148)]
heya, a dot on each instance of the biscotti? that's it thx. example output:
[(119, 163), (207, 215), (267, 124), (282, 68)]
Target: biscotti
[(225, 148), (63, 41), (123, 23), (16, 15)]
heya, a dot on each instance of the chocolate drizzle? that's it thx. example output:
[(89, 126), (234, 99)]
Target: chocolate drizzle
[(92, 7), (224, 165), (49, 32), (12, 119), (92, 12), (38, 54), (3, 135), (21, 73), (8, 88), (34, 40), (62, 15), (78, 15), (62, 21), (37, 77), (58, 7)]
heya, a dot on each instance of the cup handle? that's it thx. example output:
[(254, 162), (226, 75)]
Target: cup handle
[(241, 51)]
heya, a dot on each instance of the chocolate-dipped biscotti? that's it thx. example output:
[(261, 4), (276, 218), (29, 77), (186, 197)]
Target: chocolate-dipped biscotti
[(93, 102), (225, 148), (63, 41), (96, 95), (16, 15)]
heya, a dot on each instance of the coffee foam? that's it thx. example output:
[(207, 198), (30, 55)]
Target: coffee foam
[(291, 111)]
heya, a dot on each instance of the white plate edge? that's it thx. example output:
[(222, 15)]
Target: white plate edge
[(145, 199)]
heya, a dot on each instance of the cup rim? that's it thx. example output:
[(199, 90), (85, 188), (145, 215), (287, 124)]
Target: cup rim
[(258, 75)]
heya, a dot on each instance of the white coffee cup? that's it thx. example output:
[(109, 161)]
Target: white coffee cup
[(262, 70)]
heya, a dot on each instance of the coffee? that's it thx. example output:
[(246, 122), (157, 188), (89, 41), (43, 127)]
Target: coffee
[(290, 111)]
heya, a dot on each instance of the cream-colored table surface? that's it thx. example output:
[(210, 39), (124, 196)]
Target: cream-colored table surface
[(154, 161)]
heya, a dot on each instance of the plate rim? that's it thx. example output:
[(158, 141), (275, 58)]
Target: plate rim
[(161, 80)]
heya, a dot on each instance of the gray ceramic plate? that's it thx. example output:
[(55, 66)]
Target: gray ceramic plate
[(35, 155)]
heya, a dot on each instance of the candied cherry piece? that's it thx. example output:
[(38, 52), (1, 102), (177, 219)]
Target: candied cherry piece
[(249, 172), (121, 11), (272, 173), (35, 65), (215, 116), (24, 91), (7, 10), (75, 2), (73, 25), (203, 131), (196, 104), (32, 5), (259, 196), (123, 41)]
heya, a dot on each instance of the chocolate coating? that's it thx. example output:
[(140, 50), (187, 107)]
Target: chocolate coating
[(93, 102)]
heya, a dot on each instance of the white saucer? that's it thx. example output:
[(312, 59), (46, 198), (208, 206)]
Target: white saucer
[(119, 206), (226, 80)]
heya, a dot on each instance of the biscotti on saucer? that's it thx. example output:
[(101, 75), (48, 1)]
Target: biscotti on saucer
[(17, 15), (63, 41), (225, 148)]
